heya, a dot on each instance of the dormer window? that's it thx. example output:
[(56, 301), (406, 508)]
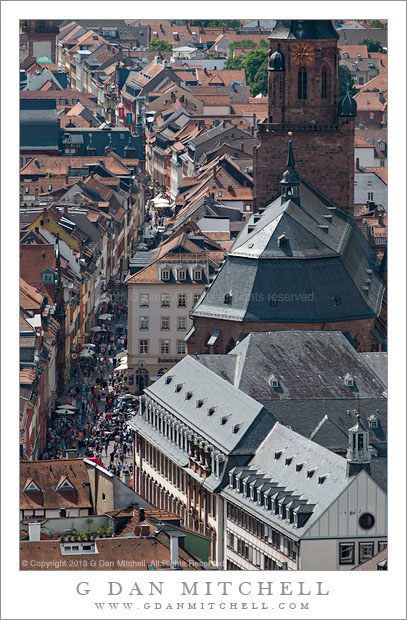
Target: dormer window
[(64, 484), (274, 382), (345, 55), (182, 275), (349, 381), (282, 241), (197, 274), (373, 422), (228, 298), (165, 274), (30, 485)]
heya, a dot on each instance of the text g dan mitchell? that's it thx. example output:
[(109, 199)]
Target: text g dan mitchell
[(206, 588)]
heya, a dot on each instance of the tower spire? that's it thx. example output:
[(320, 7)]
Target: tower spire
[(290, 183)]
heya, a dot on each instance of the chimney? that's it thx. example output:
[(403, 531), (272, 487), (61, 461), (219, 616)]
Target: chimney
[(242, 146), (144, 530), (142, 514), (230, 189), (357, 163), (174, 536), (34, 531)]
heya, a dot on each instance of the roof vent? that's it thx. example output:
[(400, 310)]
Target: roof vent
[(299, 467), (188, 396), (324, 227), (236, 428), (224, 419), (211, 410), (178, 387), (328, 217), (311, 472), (199, 403), (168, 380), (289, 460), (277, 455), (322, 479)]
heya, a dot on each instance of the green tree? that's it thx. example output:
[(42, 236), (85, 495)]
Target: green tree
[(159, 44), (216, 23), (375, 23), (252, 63), (234, 63), (244, 43), (260, 82), (372, 45), (345, 79)]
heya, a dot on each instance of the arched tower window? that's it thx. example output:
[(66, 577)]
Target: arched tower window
[(302, 83), (324, 83)]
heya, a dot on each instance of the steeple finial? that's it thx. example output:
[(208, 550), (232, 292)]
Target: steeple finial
[(290, 182)]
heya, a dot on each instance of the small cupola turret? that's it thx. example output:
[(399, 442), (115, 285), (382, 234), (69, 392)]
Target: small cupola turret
[(290, 183), (347, 105), (358, 455), (276, 60)]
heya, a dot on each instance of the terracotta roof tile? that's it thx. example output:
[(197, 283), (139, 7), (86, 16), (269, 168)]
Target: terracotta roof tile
[(46, 475), (380, 171), (112, 554)]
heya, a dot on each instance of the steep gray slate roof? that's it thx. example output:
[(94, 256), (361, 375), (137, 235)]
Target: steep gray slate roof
[(228, 402), (378, 363), (316, 268), (303, 452), (304, 29), (38, 124)]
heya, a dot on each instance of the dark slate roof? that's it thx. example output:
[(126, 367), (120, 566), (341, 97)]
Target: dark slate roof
[(38, 124), (140, 259), (99, 139), (378, 363), (318, 267), (308, 29), (86, 226), (307, 365)]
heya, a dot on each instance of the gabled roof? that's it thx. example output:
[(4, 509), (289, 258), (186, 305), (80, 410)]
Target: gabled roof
[(284, 460), (50, 477)]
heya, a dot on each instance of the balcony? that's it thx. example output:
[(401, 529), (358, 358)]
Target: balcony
[(297, 128)]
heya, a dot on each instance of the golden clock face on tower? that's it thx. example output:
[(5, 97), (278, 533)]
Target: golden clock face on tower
[(302, 54)]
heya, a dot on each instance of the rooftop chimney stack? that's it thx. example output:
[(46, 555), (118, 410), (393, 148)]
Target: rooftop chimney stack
[(174, 550), (34, 531)]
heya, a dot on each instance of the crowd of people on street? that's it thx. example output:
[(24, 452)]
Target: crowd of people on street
[(97, 428)]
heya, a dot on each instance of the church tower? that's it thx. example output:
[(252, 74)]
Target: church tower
[(303, 91)]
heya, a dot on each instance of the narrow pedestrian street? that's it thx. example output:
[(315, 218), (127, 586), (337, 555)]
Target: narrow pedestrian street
[(90, 419)]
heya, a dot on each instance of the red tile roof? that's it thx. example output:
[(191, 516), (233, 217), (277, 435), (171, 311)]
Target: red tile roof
[(46, 475), (112, 554), (380, 171), (353, 51)]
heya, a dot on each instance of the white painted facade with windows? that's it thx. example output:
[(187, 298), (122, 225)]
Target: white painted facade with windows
[(369, 186), (157, 325)]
